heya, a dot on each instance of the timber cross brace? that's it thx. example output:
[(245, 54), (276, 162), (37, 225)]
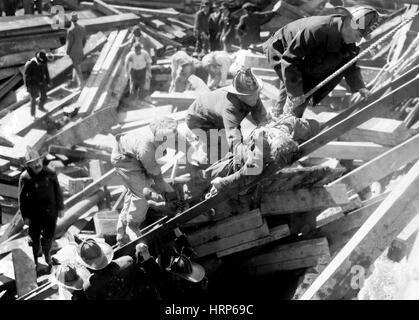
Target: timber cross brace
[(407, 88)]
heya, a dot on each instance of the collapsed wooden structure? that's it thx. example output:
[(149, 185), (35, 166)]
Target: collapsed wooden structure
[(309, 215)]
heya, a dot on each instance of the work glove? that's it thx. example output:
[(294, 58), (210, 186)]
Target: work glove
[(364, 92), (141, 250), (297, 101)]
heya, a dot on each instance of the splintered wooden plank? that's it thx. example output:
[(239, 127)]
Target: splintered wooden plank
[(276, 233), (226, 228), (368, 243), (232, 241), (382, 165), (290, 256), (116, 21), (387, 132), (350, 150), (25, 269), (85, 128), (303, 200)]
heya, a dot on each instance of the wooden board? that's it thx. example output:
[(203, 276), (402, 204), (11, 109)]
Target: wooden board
[(290, 256), (382, 165), (80, 153), (8, 191), (180, 99), (25, 25), (4, 165), (25, 271), (116, 21), (303, 200), (34, 42), (105, 8), (6, 87), (368, 243), (226, 228)]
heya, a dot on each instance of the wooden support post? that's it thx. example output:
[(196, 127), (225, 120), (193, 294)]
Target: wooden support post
[(381, 166), (303, 200), (370, 241)]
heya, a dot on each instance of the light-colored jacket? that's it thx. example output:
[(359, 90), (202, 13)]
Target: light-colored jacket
[(76, 39)]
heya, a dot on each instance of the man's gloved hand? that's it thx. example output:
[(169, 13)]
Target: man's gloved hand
[(297, 101), (141, 250), (364, 92)]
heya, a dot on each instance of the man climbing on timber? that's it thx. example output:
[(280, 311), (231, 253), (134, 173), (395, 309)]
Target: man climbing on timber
[(276, 142), (217, 63), (37, 80), (40, 203), (225, 108), (308, 50), (138, 66), (248, 29), (134, 158), (76, 40)]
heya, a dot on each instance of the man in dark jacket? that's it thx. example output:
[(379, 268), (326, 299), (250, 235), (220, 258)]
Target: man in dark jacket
[(225, 108), (36, 77), (40, 203), (214, 29), (248, 28), (308, 50), (201, 28), (228, 27)]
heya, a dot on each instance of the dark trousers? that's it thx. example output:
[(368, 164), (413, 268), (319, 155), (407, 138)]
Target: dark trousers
[(35, 92), (41, 233), (38, 6), (9, 7), (137, 81), (201, 44)]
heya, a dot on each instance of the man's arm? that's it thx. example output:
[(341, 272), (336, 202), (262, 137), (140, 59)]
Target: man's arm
[(70, 40), (23, 199), (241, 27), (27, 74), (231, 120), (303, 44), (58, 195), (259, 113), (128, 60), (84, 37)]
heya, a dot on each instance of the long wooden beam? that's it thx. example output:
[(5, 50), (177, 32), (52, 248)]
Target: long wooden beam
[(375, 235)]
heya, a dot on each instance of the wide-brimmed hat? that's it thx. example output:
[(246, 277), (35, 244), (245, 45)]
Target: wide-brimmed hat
[(183, 267), (245, 83), (32, 155), (41, 56), (95, 255), (364, 18), (71, 275)]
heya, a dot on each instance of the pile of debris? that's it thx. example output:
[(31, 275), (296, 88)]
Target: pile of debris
[(353, 186)]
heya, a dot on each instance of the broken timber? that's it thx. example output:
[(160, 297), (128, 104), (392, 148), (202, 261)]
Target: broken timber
[(375, 235)]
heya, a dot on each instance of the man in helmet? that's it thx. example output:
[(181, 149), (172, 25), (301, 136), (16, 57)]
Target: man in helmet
[(308, 50), (225, 108)]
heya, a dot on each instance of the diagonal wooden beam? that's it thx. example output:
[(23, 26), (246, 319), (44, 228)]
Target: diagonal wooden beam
[(375, 235)]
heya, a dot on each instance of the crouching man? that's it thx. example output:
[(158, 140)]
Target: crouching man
[(134, 157)]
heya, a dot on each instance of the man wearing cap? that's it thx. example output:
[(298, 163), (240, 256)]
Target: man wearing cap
[(40, 203), (225, 108), (214, 28), (76, 39), (37, 80), (201, 28), (228, 27), (134, 157), (308, 50), (138, 65), (248, 28), (217, 63)]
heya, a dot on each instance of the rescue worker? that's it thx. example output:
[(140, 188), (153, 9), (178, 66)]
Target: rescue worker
[(134, 158), (225, 108), (138, 67), (276, 142), (9, 7), (217, 63), (38, 6), (138, 36), (40, 203), (76, 40), (183, 67), (248, 29), (28, 6), (70, 278), (124, 278), (308, 50), (201, 28), (228, 27), (37, 80), (214, 28)]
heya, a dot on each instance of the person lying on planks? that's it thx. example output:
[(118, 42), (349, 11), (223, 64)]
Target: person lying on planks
[(201, 28), (188, 73), (227, 27), (138, 67), (40, 203), (217, 63), (124, 278), (224, 109), (248, 28), (276, 143), (76, 40), (308, 50), (37, 80), (137, 36), (134, 158)]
